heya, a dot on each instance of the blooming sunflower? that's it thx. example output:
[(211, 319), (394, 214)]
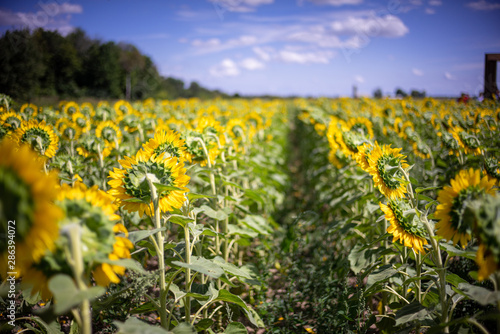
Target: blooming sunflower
[(492, 168), (485, 260), (68, 129), (39, 136), (362, 156), (81, 121), (404, 228), (95, 211), (166, 144), (11, 120), (467, 186), (110, 132), (195, 150), (26, 199), (467, 141), (29, 109), (130, 187), (384, 162), (349, 140), (69, 108), (361, 124)]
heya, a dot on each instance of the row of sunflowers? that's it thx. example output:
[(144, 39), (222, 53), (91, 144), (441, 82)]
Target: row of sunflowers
[(150, 209), (411, 193)]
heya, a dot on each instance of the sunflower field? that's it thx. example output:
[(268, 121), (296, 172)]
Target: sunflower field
[(250, 216)]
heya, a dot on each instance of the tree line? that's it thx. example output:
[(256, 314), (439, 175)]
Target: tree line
[(45, 63)]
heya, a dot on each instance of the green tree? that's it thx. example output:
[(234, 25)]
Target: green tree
[(21, 65)]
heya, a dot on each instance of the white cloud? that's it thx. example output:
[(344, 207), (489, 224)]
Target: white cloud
[(417, 72), (212, 42), (430, 11), (262, 53), (385, 26), (215, 44), (435, 2), (51, 16), (320, 57), (251, 64), (241, 6), (336, 2), (483, 5), (227, 68), (359, 79), (449, 76)]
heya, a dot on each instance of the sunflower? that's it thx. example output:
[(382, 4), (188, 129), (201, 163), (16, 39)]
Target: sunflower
[(95, 211), (405, 228), (110, 132), (68, 129), (467, 186), (166, 144), (26, 199), (384, 162), (69, 108), (11, 120), (421, 150), (492, 168), (39, 136), (130, 187), (81, 121), (362, 156), (362, 125), (468, 142), (195, 150), (485, 260), (86, 108), (29, 109), (349, 140)]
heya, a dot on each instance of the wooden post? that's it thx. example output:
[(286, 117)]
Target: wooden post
[(490, 74)]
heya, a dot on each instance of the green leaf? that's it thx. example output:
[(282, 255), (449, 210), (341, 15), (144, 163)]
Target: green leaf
[(136, 326), (241, 231), (380, 275), (180, 220), (411, 312), (231, 268), (481, 295), (419, 190), (144, 308), (454, 279), (47, 328), (217, 215), (165, 189), (257, 223), (178, 294), (227, 296), (453, 251), (203, 324), (425, 198), (136, 236), (195, 196), (67, 295), (184, 328), (203, 266), (236, 328), (127, 263)]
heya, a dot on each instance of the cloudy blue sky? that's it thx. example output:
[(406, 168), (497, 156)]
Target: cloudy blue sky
[(285, 47)]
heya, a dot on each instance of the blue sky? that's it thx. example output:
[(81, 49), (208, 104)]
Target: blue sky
[(285, 47)]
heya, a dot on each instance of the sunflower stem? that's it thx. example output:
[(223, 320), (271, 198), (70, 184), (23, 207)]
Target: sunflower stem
[(160, 250), (187, 300), (79, 275)]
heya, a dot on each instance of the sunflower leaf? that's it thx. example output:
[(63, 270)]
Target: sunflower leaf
[(164, 188), (137, 236), (67, 295)]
